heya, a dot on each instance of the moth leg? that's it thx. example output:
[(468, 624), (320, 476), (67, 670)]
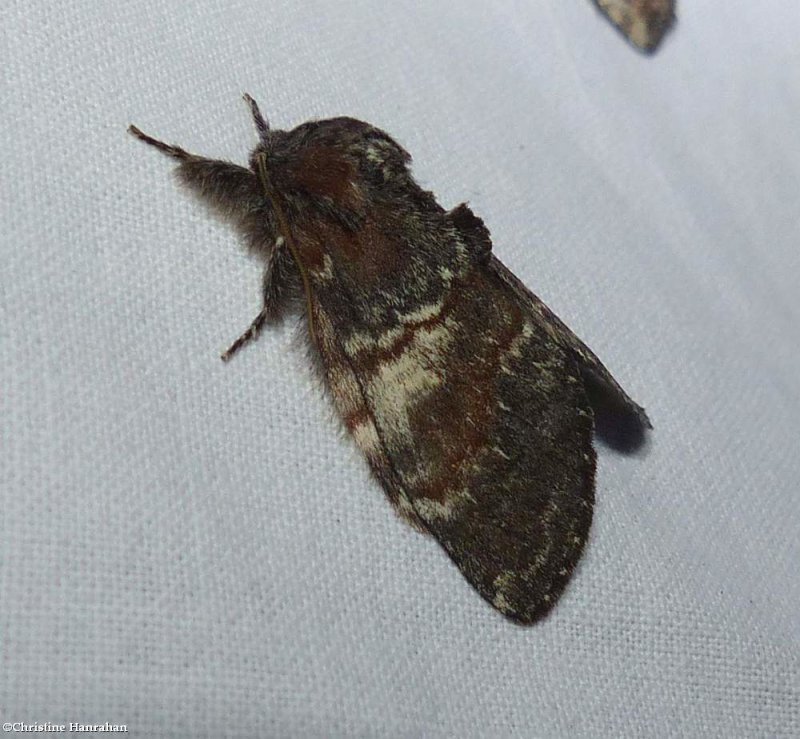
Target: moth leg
[(261, 123), (170, 150), (231, 190), (254, 329)]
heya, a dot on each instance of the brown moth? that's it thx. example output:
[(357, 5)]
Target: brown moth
[(471, 401), (644, 22)]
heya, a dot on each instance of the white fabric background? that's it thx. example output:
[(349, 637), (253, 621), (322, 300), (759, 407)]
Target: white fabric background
[(193, 549)]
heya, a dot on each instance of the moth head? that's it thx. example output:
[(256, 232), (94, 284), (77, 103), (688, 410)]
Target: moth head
[(339, 161)]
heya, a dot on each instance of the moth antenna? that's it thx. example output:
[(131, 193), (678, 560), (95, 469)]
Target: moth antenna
[(173, 151), (262, 124)]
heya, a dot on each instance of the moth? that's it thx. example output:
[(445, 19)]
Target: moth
[(644, 22), (471, 401)]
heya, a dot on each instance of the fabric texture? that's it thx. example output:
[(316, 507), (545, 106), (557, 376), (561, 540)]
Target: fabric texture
[(194, 549)]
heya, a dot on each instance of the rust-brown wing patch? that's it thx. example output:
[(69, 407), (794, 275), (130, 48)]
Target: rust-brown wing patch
[(483, 420)]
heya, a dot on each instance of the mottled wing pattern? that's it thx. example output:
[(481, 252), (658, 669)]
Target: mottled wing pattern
[(644, 22), (477, 422), (348, 397)]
